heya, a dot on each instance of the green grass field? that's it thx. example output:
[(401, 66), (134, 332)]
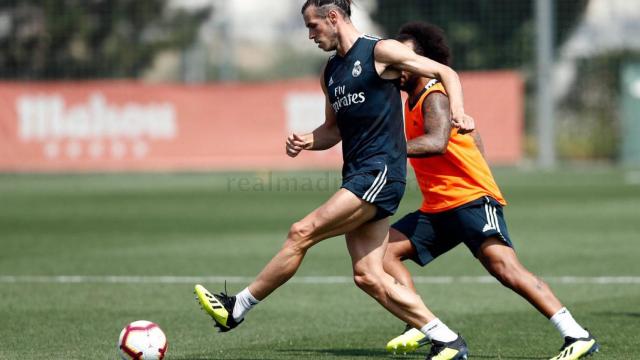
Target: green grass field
[(583, 223)]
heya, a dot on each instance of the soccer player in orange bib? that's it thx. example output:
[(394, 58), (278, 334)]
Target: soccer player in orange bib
[(461, 202)]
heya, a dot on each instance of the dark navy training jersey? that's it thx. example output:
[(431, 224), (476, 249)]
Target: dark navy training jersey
[(369, 113)]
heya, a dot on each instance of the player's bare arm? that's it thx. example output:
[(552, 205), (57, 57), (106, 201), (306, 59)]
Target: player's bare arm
[(323, 137), (392, 57), (437, 128)]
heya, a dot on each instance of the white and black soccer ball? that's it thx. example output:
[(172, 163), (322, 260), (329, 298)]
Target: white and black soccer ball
[(142, 340)]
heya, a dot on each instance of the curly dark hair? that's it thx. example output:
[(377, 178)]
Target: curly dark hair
[(429, 41)]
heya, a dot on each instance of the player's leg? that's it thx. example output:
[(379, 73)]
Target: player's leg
[(367, 245), (501, 261), (413, 237), (398, 250), (496, 254), (341, 213), (419, 237), (482, 226)]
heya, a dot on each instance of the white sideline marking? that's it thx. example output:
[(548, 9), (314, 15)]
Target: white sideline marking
[(81, 279)]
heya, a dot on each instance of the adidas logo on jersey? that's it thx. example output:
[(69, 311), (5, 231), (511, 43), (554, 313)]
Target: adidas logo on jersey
[(330, 81)]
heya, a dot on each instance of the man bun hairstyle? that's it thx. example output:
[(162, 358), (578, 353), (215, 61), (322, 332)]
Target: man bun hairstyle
[(324, 6), (429, 41)]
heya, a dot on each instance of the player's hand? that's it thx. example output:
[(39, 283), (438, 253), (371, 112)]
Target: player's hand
[(295, 144), (464, 123)]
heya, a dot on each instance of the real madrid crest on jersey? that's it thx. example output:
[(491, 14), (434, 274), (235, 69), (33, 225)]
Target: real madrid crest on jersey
[(357, 69)]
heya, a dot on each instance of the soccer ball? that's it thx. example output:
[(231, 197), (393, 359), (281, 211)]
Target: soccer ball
[(142, 340)]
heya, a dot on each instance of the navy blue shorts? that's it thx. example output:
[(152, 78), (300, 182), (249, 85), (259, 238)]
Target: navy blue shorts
[(376, 189), (472, 223)]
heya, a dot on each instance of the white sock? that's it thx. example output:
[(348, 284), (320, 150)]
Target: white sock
[(244, 302), (437, 330), (564, 322)]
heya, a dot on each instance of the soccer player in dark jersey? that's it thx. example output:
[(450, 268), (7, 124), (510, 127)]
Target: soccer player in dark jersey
[(364, 111), (461, 202)]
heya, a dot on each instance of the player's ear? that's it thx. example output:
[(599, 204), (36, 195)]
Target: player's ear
[(333, 16)]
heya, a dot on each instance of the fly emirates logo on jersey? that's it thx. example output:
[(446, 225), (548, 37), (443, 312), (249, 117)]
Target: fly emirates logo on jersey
[(344, 99)]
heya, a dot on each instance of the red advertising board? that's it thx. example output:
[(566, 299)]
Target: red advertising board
[(130, 126)]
